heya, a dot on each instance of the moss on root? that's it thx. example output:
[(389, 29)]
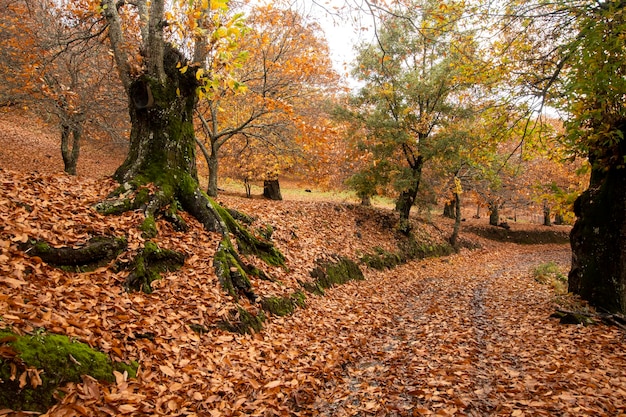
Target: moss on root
[(96, 252), (284, 306), (149, 264), (242, 321), (34, 367), (247, 243)]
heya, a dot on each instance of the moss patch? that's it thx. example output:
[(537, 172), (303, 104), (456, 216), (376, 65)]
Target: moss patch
[(284, 306), (242, 321), (337, 272), (44, 362), (149, 264), (408, 249)]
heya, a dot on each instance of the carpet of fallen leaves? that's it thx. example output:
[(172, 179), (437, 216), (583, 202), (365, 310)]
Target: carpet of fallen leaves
[(469, 334)]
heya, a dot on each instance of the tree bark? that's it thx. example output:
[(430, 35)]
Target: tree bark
[(546, 215), (407, 197), (494, 214), (271, 190), (598, 238), (70, 151), (454, 239), (213, 164), (162, 139), (449, 208)]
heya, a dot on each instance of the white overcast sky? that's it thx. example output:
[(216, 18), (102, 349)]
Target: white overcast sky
[(341, 31)]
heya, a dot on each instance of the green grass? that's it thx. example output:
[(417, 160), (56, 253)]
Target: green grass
[(551, 274)]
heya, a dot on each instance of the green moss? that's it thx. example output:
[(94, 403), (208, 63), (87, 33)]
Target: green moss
[(341, 271), (130, 368), (409, 249), (56, 359), (230, 270), (242, 321), (149, 264), (279, 306), (148, 228), (299, 299), (284, 306)]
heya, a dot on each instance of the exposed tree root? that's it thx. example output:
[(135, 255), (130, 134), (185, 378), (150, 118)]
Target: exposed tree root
[(164, 199), (96, 252), (149, 264)]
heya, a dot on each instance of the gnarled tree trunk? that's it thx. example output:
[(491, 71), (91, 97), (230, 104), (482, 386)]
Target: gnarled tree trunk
[(598, 238)]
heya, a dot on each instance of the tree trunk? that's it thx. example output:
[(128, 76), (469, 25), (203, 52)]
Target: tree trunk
[(598, 238), (162, 140), (71, 152), (366, 200), (407, 197), (271, 190), (213, 164), (457, 221), (558, 219), (449, 208), (546, 214), (494, 214)]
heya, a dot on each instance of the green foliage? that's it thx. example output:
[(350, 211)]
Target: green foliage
[(596, 84), (415, 76)]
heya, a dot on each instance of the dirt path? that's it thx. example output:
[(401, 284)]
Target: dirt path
[(466, 335)]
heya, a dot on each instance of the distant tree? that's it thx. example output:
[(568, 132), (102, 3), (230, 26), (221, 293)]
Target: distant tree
[(285, 74), (55, 60), (413, 88)]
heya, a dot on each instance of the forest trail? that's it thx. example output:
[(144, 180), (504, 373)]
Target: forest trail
[(466, 335)]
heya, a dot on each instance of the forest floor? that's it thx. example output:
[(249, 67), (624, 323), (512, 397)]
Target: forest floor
[(466, 334)]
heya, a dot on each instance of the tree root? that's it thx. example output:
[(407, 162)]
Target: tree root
[(96, 252), (149, 264), (164, 200)]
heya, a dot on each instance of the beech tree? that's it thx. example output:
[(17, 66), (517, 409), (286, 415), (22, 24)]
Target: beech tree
[(54, 61)]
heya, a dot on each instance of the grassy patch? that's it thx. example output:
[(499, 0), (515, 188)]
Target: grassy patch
[(551, 274)]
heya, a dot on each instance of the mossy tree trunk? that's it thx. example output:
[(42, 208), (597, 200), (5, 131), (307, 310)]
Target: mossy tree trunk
[(598, 238)]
